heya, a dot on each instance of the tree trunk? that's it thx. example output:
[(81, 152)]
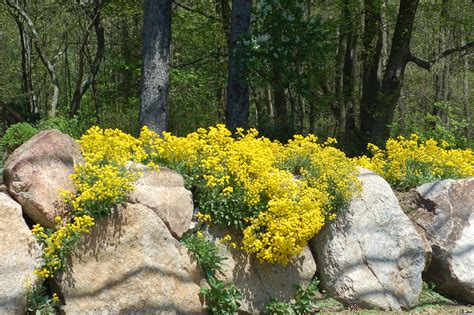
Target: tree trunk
[(348, 74), (379, 99), (393, 76), (224, 11), (340, 110), (39, 49), (237, 112), (441, 77), (83, 85), (467, 109), (155, 68), (371, 71), (26, 50)]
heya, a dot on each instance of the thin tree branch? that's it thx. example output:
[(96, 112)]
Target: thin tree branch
[(451, 51), (196, 11), (423, 63), (39, 49), (428, 64)]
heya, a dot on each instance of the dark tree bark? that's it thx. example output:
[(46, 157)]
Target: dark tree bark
[(467, 110), (395, 70), (371, 65), (26, 63), (379, 97), (347, 113), (83, 85), (442, 76), (237, 111), (156, 62), (224, 11)]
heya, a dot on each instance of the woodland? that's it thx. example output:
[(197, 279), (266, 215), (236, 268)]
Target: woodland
[(360, 71)]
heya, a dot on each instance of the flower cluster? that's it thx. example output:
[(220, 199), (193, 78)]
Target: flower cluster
[(100, 183), (406, 163), (58, 244), (248, 182)]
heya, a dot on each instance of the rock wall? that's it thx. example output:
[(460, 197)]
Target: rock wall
[(132, 262)]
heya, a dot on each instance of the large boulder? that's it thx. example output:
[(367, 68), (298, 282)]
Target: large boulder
[(260, 282), (450, 231), (371, 254), (131, 264), (18, 252), (164, 193), (37, 170)]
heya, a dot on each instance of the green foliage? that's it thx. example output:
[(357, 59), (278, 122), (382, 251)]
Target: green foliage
[(205, 252), (16, 135), (419, 172), (452, 133), (303, 301), (304, 296), (451, 128), (38, 301), (221, 297), (70, 126), (429, 298), (276, 307)]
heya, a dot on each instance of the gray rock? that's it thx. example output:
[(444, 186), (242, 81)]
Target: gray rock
[(131, 264), (451, 235), (259, 282), (37, 170), (18, 252), (371, 255)]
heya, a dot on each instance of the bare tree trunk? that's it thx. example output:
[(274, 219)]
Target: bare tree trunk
[(39, 49), (467, 105), (348, 73), (27, 82), (371, 55), (394, 73), (155, 68), (83, 85), (224, 11), (339, 101), (270, 107), (237, 112), (441, 77)]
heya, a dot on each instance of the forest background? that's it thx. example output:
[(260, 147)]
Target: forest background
[(357, 70)]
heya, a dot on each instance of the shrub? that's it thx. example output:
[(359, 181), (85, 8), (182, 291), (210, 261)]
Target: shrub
[(248, 183), (221, 297), (70, 126), (407, 163), (16, 135), (205, 252), (302, 302)]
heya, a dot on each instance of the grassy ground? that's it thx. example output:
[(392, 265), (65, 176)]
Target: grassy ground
[(430, 302)]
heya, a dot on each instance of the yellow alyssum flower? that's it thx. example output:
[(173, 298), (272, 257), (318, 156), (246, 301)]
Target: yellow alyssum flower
[(407, 162)]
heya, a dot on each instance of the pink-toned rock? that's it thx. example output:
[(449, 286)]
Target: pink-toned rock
[(164, 193), (450, 231), (259, 282), (130, 264), (18, 252), (37, 170)]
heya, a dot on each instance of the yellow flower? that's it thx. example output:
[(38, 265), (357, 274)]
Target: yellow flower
[(55, 298)]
